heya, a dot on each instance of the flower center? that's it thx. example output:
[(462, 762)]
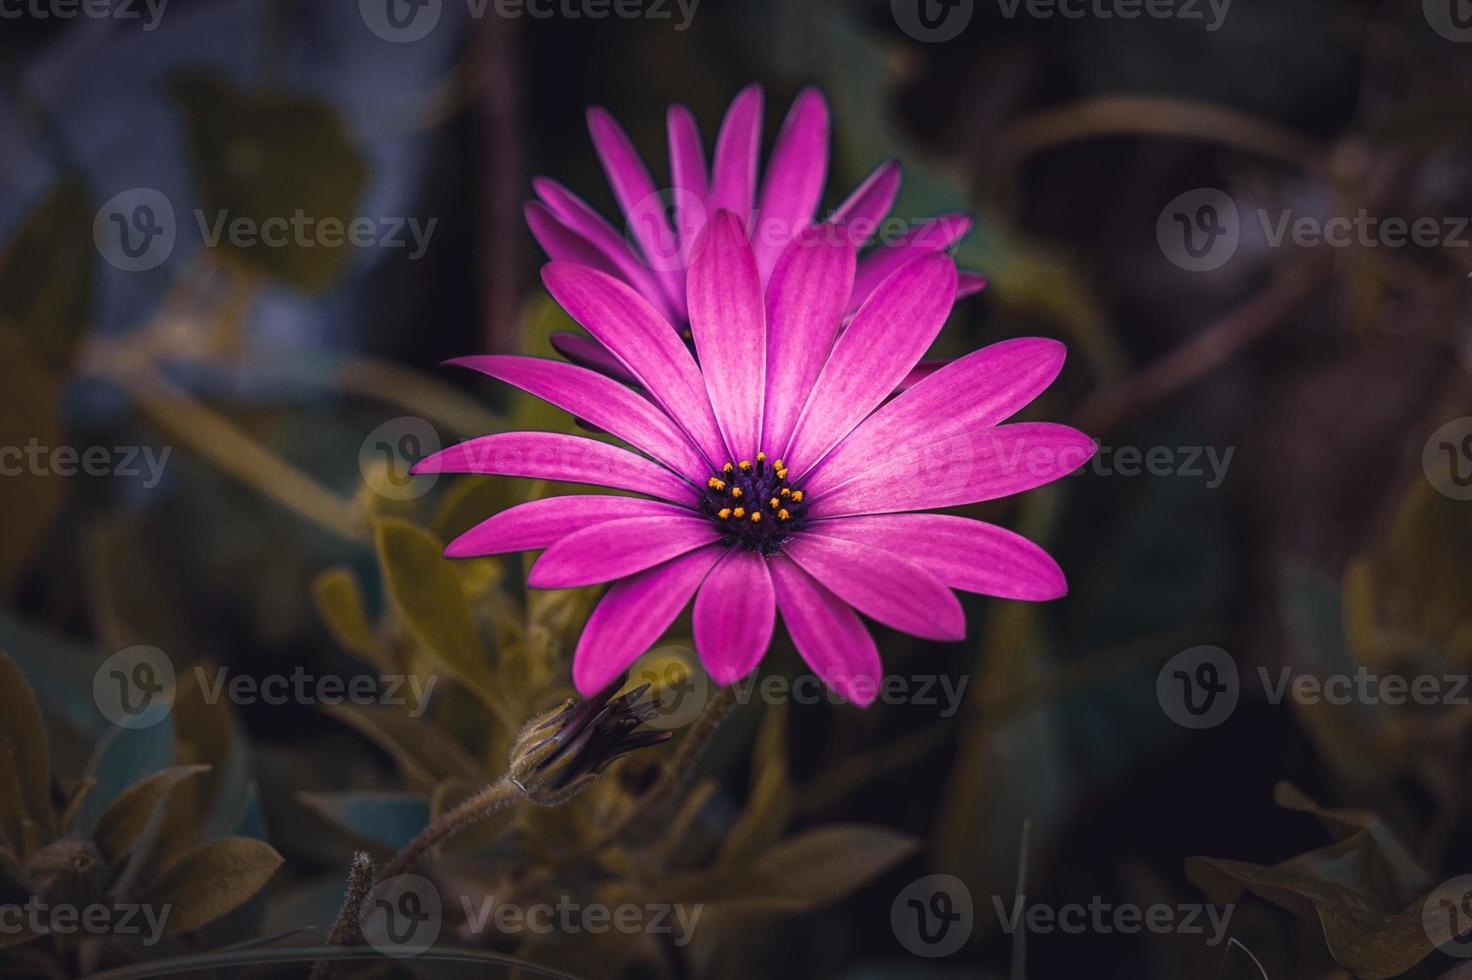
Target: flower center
[(753, 505)]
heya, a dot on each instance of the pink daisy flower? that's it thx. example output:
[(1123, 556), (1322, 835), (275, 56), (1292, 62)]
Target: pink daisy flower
[(653, 258), (778, 475)]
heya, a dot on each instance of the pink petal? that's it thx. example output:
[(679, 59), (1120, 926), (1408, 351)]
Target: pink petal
[(639, 200), (729, 323), (588, 353), (733, 183), (688, 175), (881, 585), (870, 202), (601, 402), (633, 615), (616, 549), (577, 215), (964, 469), (561, 243), (964, 554), (648, 346), (933, 235), (552, 456), (805, 302), (919, 373), (969, 284), (884, 340), (978, 390), (537, 524), (829, 636), (793, 184), (734, 615)]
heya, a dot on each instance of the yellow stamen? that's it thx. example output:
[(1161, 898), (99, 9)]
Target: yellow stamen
[(797, 496), (773, 503), (724, 513), (756, 517), (736, 492), (761, 457), (782, 514), (727, 468), (739, 512), (786, 492), (781, 473), (745, 465), (715, 483), (780, 465)]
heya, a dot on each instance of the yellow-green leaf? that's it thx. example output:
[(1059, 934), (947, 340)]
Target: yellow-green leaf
[(340, 603), (212, 881), (127, 816), (26, 816)]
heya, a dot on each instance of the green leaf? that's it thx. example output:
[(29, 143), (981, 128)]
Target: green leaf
[(122, 757), (270, 157), (424, 754), (127, 816), (339, 601), (26, 817), (214, 880), (769, 809), (387, 819), (806, 871), (430, 599)]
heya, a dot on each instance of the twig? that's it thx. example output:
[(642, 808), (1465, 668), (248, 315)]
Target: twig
[(347, 929)]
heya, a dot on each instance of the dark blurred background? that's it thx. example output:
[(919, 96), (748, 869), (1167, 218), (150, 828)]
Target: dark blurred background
[(1304, 406)]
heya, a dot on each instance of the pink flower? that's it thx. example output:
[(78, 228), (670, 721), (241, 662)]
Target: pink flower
[(775, 475), (654, 256)]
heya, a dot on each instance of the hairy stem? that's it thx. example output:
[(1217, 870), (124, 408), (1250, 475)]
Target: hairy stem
[(469, 811)]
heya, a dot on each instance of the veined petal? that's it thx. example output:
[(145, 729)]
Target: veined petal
[(870, 202), (733, 182), (616, 549), (828, 635), (735, 611), (793, 184), (553, 456), (639, 200), (536, 524), (633, 614), (881, 585), (805, 302), (688, 173), (575, 213), (980, 389), (728, 320), (625, 323), (885, 339), (984, 464), (969, 284), (560, 242), (933, 235), (964, 554), (601, 401)]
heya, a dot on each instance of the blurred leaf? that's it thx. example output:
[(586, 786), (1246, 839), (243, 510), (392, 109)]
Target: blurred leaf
[(29, 499), (340, 602), (424, 754), (1404, 875), (46, 276), (122, 757), (26, 817), (769, 809), (430, 600), (803, 872), (389, 819), (127, 816), (272, 156), (211, 881)]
